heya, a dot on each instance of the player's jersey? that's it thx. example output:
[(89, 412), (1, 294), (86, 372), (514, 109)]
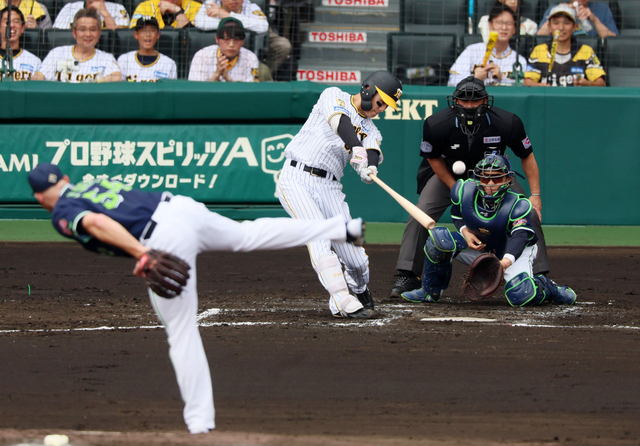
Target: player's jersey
[(473, 55), (150, 8), (131, 208), (506, 229), (251, 16), (243, 69), (317, 145), (567, 68), (25, 65), (134, 71), (64, 19), (27, 8), (100, 62)]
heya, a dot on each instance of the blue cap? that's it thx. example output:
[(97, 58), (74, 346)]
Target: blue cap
[(43, 176)]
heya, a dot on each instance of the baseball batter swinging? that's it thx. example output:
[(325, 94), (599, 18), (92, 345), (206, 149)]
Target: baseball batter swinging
[(339, 130), (166, 233)]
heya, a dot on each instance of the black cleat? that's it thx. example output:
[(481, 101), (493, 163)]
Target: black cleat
[(366, 299), (404, 284)]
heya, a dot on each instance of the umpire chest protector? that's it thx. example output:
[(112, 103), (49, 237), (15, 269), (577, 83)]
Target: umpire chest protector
[(491, 227)]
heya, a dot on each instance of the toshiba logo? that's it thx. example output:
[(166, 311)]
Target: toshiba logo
[(355, 3), (331, 76), (337, 37)]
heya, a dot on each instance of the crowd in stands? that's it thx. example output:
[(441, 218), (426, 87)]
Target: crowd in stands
[(565, 62)]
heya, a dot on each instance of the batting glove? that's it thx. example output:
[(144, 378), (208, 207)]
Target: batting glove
[(359, 159), (364, 175)]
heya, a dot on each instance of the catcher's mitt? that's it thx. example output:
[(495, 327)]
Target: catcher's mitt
[(484, 277), (166, 274)]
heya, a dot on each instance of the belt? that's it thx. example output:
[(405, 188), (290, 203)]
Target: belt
[(314, 171), (146, 234)]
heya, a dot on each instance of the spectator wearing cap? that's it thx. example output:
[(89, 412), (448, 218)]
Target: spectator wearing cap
[(113, 15), (227, 61), (574, 64), (36, 14), (147, 64), (173, 13), (24, 63), (597, 17)]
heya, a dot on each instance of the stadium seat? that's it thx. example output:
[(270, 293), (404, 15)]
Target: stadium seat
[(623, 77), (59, 37), (171, 44), (421, 59), (629, 12), (31, 41), (434, 16), (622, 52)]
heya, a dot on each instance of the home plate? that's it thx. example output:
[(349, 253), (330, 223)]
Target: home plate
[(457, 319)]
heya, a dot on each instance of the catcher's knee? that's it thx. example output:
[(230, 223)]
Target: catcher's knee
[(443, 244), (330, 271), (521, 290)]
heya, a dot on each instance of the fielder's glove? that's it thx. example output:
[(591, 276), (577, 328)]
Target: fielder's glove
[(166, 274), (484, 277)]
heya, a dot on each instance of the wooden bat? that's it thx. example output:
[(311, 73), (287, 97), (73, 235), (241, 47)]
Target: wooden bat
[(411, 208), (491, 43), (554, 48)]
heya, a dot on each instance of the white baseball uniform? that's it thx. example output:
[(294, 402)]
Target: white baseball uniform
[(304, 195), (473, 55), (134, 71), (251, 16), (64, 19), (25, 65), (100, 62), (243, 69)]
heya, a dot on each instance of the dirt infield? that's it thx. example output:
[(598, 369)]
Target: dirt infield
[(82, 354)]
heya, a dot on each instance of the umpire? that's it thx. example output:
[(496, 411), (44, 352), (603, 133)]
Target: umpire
[(468, 128)]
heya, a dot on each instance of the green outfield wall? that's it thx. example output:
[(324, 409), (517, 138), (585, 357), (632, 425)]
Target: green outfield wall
[(223, 144)]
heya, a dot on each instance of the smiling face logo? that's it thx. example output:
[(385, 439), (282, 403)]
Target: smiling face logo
[(272, 154)]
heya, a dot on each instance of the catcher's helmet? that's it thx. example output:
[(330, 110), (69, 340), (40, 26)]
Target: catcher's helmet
[(385, 83), (493, 177), (470, 89)]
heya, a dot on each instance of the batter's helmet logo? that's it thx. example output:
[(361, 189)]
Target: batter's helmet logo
[(398, 94)]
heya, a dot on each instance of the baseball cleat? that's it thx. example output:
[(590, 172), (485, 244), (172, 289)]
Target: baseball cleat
[(561, 295), (355, 231), (418, 296), (403, 284), (362, 313), (366, 299)]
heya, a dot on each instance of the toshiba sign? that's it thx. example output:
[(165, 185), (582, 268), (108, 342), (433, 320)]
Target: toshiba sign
[(330, 76), (337, 37), (357, 3)]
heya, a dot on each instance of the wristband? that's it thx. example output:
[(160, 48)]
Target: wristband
[(535, 195)]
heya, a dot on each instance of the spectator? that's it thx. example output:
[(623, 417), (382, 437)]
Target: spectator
[(173, 13), (499, 69), (147, 64), (598, 18), (527, 26), (253, 19), (81, 62), (227, 61), (574, 65), (24, 63), (113, 15), (36, 13)]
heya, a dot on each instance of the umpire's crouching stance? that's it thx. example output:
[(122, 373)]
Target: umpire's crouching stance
[(166, 233)]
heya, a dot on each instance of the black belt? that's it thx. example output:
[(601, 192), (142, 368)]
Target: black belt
[(152, 224), (314, 171)]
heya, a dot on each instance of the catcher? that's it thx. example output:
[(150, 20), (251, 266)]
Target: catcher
[(166, 233), (492, 221)]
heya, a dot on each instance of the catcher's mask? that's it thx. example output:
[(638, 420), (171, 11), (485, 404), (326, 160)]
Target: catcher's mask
[(469, 118), (493, 177), (383, 82)]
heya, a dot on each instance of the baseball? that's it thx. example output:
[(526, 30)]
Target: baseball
[(56, 440), (459, 167)]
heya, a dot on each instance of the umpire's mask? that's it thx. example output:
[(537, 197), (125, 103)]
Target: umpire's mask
[(470, 118)]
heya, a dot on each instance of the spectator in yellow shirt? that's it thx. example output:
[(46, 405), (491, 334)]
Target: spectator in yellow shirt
[(173, 13)]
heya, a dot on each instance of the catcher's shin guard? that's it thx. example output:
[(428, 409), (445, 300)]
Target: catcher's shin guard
[(521, 290), (561, 295)]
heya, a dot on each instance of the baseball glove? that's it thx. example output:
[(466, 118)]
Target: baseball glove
[(484, 277), (166, 274)]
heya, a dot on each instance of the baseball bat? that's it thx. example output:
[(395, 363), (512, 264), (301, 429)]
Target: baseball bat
[(554, 48), (411, 208), (491, 43)]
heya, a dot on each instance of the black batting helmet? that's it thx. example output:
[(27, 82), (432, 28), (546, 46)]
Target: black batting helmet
[(383, 82), (470, 89)]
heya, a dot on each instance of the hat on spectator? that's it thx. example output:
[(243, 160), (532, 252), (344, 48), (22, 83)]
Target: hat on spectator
[(231, 28), (565, 9), (43, 176), (146, 20)]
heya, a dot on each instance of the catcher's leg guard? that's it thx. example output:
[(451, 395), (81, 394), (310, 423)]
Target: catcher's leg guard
[(330, 272), (561, 295), (442, 245), (521, 290)]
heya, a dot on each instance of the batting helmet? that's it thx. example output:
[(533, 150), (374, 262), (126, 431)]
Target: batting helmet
[(469, 118), (496, 169), (385, 83)]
